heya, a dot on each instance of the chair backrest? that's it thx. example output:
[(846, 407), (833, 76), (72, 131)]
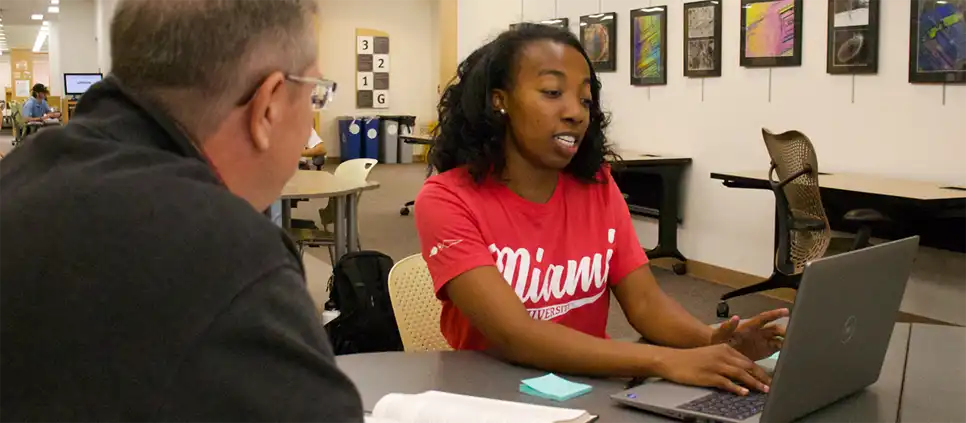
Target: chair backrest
[(415, 305), (792, 152), (356, 169)]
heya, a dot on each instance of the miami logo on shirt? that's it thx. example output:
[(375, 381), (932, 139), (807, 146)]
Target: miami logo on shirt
[(535, 282)]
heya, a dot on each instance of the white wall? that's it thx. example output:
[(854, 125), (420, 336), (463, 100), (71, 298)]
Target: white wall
[(5, 73), (893, 128), (413, 71), (103, 12), (73, 44)]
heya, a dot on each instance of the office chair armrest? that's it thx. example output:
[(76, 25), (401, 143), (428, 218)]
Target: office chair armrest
[(792, 177)]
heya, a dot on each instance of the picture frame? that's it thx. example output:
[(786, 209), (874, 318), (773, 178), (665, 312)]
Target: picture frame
[(702, 39), (771, 33), (648, 44), (937, 41), (563, 23), (853, 37), (598, 35)]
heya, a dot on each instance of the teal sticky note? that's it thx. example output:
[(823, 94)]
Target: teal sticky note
[(553, 387)]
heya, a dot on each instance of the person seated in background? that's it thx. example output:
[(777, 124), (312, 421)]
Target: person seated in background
[(526, 234), (314, 153), (36, 109)]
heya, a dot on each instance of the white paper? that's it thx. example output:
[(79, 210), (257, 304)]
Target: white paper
[(443, 407), (23, 88)]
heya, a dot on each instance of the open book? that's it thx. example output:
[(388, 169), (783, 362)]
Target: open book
[(442, 407)]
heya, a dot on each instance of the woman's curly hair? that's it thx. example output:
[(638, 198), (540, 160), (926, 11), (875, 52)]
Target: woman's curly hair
[(471, 132)]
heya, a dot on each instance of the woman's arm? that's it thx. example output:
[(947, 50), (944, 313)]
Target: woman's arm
[(657, 317), (494, 309)]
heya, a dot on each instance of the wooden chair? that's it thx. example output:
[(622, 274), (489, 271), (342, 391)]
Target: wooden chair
[(415, 305)]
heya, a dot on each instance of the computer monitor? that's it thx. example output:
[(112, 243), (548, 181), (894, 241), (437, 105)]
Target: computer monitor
[(78, 83)]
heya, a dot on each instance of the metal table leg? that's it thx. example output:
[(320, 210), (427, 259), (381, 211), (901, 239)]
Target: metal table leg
[(286, 214), (667, 240), (352, 222), (341, 241)]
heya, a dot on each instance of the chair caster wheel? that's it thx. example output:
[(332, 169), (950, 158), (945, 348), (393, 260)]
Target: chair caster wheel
[(680, 268), (723, 310), (404, 211)]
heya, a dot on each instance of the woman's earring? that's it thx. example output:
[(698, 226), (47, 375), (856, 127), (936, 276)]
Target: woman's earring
[(503, 112)]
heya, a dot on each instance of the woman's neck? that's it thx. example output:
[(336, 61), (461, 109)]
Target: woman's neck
[(526, 180)]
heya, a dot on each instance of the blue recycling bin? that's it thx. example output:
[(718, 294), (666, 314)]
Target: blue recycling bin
[(350, 138), (370, 137)]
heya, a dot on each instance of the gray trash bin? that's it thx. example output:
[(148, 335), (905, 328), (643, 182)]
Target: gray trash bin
[(392, 149)]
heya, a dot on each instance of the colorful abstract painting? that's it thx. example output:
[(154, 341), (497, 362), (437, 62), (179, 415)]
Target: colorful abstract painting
[(597, 35), (942, 36), (770, 29), (647, 46)]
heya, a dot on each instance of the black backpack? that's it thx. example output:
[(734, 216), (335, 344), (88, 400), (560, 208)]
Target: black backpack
[(359, 290)]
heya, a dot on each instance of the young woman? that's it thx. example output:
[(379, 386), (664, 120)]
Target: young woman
[(525, 231)]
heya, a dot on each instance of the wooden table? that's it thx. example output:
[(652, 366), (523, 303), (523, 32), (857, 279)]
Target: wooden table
[(670, 169), (343, 192)]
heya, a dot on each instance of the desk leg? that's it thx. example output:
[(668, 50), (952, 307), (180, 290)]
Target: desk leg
[(352, 222), (286, 214), (667, 238), (340, 227)]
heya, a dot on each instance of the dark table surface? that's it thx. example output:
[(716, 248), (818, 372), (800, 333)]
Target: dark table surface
[(471, 373)]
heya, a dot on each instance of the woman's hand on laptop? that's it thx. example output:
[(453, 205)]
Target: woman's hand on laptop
[(757, 338), (716, 366)]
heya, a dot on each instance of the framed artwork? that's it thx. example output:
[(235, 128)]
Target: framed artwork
[(937, 41), (771, 33), (702, 39), (853, 36), (597, 35), (649, 46), (557, 22)]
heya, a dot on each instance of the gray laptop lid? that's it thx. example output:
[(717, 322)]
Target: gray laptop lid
[(839, 328)]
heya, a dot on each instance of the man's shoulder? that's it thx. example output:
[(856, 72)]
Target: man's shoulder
[(153, 202)]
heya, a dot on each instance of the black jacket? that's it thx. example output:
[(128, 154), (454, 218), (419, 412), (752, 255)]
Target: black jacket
[(135, 286)]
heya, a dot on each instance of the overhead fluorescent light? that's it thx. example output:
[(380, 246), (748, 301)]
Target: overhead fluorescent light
[(39, 42), (46, 23), (53, 9), (55, 2), (37, 17)]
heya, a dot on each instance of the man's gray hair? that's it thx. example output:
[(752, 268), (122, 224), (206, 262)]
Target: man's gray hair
[(198, 59)]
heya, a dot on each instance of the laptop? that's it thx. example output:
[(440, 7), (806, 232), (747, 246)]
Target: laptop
[(835, 343)]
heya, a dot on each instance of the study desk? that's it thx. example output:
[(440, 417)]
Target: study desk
[(931, 210), (910, 387), (343, 192), (670, 169)]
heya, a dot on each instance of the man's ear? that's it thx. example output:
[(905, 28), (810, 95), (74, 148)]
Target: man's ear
[(266, 110)]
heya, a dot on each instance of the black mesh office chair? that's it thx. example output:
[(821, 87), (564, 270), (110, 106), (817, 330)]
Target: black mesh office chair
[(803, 232)]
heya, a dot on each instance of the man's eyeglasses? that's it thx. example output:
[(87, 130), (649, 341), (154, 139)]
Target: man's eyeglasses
[(323, 92)]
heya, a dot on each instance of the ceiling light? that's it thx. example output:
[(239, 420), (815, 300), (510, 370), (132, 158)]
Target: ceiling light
[(46, 23), (37, 17), (54, 2), (53, 9), (39, 42)]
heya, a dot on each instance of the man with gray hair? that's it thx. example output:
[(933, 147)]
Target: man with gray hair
[(140, 280)]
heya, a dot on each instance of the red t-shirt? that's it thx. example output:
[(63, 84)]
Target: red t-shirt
[(560, 257)]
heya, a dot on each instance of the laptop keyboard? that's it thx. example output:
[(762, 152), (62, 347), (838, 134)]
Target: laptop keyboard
[(728, 405)]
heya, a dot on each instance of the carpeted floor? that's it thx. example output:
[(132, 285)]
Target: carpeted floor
[(383, 229)]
